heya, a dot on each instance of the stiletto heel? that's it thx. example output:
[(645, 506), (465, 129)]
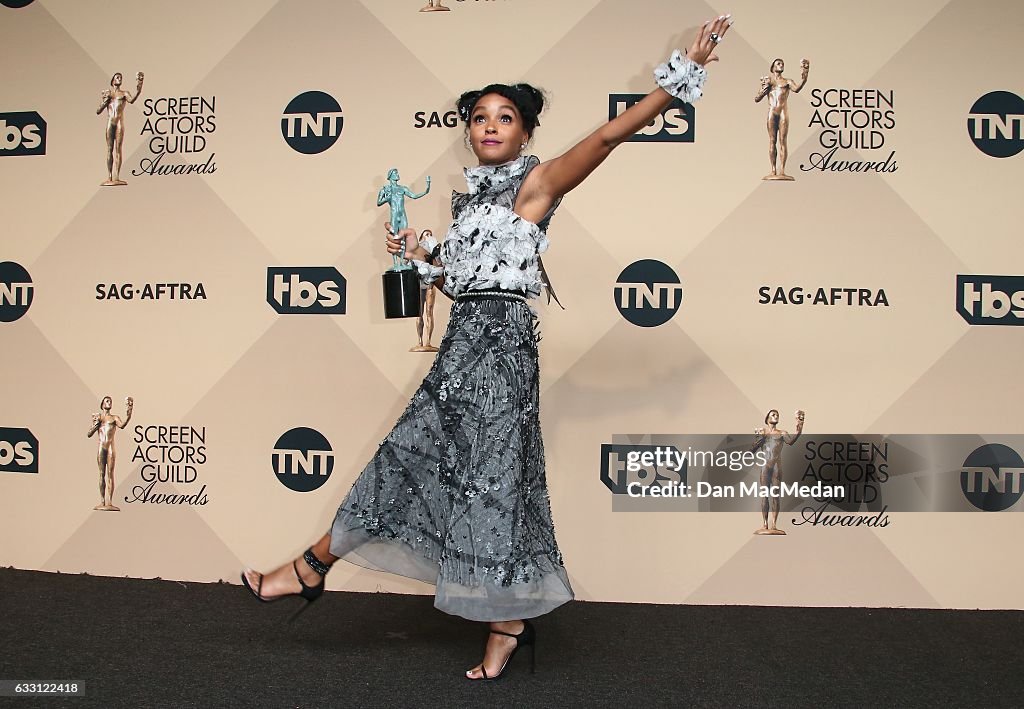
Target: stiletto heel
[(308, 593), (527, 636)]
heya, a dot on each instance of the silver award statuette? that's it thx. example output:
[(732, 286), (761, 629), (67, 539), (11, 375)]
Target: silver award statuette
[(113, 101), (106, 424), (401, 282)]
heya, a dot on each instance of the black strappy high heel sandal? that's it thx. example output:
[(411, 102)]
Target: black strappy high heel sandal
[(528, 636), (309, 593)]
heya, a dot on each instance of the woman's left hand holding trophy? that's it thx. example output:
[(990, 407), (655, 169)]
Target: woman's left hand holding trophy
[(404, 244)]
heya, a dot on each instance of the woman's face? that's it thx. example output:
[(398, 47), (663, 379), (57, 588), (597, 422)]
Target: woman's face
[(496, 130)]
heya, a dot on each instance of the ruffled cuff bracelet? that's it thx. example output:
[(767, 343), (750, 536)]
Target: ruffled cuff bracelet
[(428, 270), (428, 242), (682, 77), (428, 273)]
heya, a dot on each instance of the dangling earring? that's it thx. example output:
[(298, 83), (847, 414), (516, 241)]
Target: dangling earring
[(522, 147), (469, 145)]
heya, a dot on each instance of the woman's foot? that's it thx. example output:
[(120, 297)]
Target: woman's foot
[(499, 649), (281, 581)]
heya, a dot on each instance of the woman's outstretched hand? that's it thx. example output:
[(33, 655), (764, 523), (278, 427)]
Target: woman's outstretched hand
[(704, 44), (394, 243)]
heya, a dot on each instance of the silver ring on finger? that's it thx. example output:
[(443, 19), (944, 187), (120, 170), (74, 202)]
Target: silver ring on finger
[(715, 37)]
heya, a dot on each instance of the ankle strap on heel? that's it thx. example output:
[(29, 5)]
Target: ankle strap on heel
[(525, 634), (318, 566)]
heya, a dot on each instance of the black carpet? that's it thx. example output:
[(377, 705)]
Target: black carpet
[(152, 643)]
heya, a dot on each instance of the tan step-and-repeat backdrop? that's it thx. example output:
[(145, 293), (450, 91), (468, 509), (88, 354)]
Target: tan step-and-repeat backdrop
[(231, 287)]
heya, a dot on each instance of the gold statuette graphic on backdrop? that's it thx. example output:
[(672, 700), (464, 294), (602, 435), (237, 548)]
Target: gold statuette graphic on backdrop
[(434, 6), (113, 100), (106, 424), (771, 440), (776, 87), (425, 322)]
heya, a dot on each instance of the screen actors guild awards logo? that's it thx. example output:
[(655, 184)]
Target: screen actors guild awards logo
[(106, 424), (776, 88), (113, 100)]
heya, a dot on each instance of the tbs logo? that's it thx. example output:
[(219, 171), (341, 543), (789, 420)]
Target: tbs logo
[(990, 300), (618, 472), (312, 122), (19, 451), (648, 293), (312, 290), (303, 459), (22, 134), (674, 125)]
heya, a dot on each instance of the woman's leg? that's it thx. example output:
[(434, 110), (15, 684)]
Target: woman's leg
[(498, 649), (282, 581)]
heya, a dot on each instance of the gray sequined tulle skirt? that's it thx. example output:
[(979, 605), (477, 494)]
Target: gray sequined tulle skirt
[(456, 494)]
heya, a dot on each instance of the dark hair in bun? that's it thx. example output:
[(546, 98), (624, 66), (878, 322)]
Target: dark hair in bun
[(528, 100)]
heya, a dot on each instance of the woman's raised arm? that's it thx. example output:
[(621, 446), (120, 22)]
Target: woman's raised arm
[(680, 76)]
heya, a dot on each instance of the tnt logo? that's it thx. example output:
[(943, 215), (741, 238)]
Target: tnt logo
[(22, 133), (312, 122), (313, 290), (303, 459), (623, 465), (648, 293), (992, 477), (674, 125), (995, 124), (990, 300), (19, 451), (16, 291)]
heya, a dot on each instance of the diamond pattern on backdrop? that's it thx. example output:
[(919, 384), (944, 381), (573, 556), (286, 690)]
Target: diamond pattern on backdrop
[(717, 366)]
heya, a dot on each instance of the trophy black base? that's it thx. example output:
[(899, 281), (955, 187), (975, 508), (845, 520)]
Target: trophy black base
[(402, 297)]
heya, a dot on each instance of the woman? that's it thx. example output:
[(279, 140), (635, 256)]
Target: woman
[(456, 493)]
